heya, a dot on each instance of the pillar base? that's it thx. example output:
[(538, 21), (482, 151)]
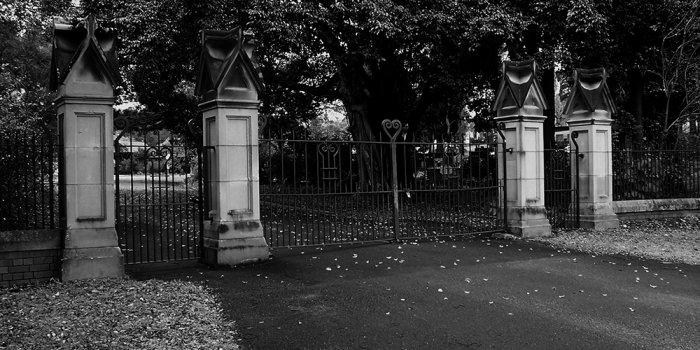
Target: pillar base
[(598, 216), (528, 222), (86, 263), (599, 222), (234, 243)]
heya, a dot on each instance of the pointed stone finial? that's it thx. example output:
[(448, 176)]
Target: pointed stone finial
[(519, 93), (590, 94), (87, 46), (226, 68), (91, 24)]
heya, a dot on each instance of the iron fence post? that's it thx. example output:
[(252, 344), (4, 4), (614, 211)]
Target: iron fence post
[(116, 186), (577, 204), (395, 188), (388, 126), (52, 155), (501, 126), (200, 206), (61, 179)]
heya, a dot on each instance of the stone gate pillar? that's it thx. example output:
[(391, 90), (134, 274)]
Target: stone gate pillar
[(589, 109), (229, 83), (84, 72), (520, 106)]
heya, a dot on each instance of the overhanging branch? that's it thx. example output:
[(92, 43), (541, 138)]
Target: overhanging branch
[(327, 89)]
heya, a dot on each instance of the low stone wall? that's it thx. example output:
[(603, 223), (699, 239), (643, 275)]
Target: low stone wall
[(29, 256), (655, 208)]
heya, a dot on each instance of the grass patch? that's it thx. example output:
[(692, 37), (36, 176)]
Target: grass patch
[(669, 239), (113, 314)]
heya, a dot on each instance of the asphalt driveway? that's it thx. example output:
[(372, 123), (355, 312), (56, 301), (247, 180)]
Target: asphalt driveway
[(461, 294)]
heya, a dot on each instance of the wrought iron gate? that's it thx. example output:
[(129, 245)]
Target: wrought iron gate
[(315, 192), (158, 193), (561, 185)]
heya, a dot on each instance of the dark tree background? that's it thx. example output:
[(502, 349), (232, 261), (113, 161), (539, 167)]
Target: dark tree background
[(424, 62)]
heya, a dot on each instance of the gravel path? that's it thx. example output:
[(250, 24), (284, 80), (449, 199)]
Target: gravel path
[(668, 240)]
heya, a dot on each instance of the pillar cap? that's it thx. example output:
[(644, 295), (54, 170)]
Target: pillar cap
[(229, 103), (519, 92), (86, 44), (226, 68), (590, 93)]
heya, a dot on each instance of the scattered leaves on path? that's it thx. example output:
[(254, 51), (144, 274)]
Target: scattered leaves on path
[(665, 239), (113, 314)]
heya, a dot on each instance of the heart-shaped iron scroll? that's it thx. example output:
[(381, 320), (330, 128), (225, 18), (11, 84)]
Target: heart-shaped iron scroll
[(194, 128), (392, 128), (158, 152), (328, 149), (262, 123)]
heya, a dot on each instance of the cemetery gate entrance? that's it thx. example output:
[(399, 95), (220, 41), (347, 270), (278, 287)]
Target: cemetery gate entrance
[(561, 169), (337, 190), (158, 192)]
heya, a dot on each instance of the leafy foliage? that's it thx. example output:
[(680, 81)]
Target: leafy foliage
[(25, 31), (414, 60), (27, 154), (428, 63)]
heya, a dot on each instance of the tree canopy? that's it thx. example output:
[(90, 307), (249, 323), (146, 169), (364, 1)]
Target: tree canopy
[(25, 34), (430, 64)]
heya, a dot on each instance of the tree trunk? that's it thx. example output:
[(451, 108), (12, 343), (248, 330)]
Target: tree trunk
[(548, 77), (372, 92), (637, 108)]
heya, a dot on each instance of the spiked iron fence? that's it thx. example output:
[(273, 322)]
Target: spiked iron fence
[(158, 183), (29, 182), (316, 192), (561, 185), (655, 174)]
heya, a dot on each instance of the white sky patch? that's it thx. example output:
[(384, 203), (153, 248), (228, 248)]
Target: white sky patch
[(132, 105), (334, 111)]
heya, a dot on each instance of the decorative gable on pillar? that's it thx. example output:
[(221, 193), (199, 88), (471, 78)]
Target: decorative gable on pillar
[(590, 94), (519, 93), (84, 60), (229, 84), (226, 70)]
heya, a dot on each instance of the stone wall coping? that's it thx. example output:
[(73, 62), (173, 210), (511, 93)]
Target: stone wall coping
[(22, 240), (652, 205)]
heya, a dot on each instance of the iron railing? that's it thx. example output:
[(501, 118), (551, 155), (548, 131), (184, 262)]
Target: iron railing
[(29, 182), (561, 192), (655, 174), (158, 194), (315, 192)]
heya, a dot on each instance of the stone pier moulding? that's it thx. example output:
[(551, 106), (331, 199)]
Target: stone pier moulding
[(520, 106), (229, 83), (590, 109), (84, 72)]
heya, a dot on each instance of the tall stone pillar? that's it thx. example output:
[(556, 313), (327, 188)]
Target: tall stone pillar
[(520, 106), (589, 109), (84, 72), (229, 83)]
